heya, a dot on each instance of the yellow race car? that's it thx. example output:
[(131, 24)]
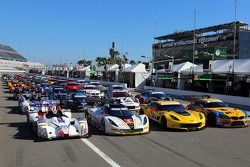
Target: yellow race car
[(218, 113), (172, 114)]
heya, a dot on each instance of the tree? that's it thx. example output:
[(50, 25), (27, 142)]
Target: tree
[(132, 62), (101, 61), (84, 62)]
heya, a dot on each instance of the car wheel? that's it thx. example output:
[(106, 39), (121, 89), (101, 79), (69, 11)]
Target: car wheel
[(89, 132), (211, 120), (163, 122), (103, 126), (141, 112)]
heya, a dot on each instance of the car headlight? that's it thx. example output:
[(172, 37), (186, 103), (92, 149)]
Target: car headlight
[(145, 120), (112, 122), (201, 116), (174, 118)]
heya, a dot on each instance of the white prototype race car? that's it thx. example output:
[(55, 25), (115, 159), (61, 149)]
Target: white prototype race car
[(116, 119), (60, 125)]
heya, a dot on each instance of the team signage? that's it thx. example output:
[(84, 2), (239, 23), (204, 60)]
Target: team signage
[(189, 42)]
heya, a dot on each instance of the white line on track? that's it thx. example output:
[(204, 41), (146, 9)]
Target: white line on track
[(100, 153)]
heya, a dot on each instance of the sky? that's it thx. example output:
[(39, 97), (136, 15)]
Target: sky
[(64, 31)]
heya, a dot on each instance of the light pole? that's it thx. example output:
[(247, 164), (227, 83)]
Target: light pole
[(234, 47), (194, 39)]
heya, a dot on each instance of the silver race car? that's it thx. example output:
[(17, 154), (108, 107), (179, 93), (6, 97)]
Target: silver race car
[(116, 119)]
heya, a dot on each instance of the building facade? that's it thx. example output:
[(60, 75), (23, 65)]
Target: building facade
[(202, 45)]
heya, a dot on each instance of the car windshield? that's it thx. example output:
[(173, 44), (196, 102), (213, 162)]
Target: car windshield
[(180, 109), (120, 113), (159, 95), (59, 90), (120, 94), (213, 104), (73, 84), (78, 98), (91, 87), (118, 87)]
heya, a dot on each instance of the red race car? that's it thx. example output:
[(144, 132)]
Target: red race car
[(72, 86)]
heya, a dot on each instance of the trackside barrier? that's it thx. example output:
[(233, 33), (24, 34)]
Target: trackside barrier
[(242, 102)]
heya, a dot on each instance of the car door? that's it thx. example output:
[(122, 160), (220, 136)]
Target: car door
[(198, 106), (152, 110)]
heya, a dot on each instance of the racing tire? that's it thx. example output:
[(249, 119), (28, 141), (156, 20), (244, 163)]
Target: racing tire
[(141, 112), (163, 122), (90, 132), (104, 129), (211, 120)]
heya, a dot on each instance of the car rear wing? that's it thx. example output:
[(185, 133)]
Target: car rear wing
[(196, 97)]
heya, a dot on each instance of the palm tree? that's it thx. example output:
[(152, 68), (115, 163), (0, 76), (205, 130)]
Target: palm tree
[(132, 62), (101, 61), (84, 62)]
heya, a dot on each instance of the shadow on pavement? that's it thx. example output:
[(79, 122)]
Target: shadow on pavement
[(9, 98), (156, 127), (23, 131), (14, 110), (6, 91)]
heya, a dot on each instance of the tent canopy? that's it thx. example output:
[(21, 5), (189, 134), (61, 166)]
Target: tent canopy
[(241, 66), (186, 66), (110, 67), (82, 68), (136, 68), (197, 69)]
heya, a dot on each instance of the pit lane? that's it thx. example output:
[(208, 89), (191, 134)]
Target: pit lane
[(208, 147)]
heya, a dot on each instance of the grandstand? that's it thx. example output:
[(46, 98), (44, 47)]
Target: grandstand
[(12, 61), (7, 53)]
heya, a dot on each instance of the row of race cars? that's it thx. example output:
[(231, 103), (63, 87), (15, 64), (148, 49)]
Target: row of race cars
[(48, 103)]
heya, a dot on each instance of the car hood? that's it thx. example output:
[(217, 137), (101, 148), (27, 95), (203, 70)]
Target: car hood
[(191, 117), (229, 111)]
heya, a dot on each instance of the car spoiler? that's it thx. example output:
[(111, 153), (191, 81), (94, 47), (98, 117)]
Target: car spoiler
[(196, 97)]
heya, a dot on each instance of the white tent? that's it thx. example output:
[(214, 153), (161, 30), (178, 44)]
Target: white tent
[(241, 66), (197, 69), (112, 67), (135, 75), (136, 68), (183, 67)]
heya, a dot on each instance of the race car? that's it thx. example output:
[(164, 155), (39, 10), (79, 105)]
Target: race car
[(23, 102), (115, 94), (116, 87), (116, 119), (17, 92), (172, 114), (151, 95), (92, 91), (37, 104), (131, 103), (218, 113), (57, 93), (72, 86), (74, 101), (60, 125)]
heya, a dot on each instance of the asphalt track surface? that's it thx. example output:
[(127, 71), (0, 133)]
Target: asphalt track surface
[(209, 147)]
